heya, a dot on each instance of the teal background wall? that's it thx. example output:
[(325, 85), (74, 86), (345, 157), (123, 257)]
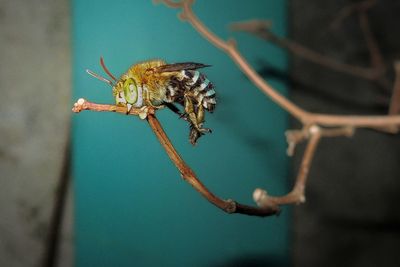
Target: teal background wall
[(132, 208)]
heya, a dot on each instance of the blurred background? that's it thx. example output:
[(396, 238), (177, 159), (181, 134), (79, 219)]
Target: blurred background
[(96, 189)]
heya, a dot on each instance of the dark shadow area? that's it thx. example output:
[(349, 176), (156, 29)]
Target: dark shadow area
[(261, 260), (351, 216), (384, 226), (378, 105), (230, 119)]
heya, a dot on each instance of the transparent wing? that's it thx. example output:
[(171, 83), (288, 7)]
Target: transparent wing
[(180, 66)]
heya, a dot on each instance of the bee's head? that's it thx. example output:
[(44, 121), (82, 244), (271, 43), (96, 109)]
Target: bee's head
[(126, 92)]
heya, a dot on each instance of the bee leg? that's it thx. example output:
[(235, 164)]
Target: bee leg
[(128, 108), (200, 116), (196, 120)]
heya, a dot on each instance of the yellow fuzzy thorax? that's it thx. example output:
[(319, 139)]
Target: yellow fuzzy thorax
[(143, 74)]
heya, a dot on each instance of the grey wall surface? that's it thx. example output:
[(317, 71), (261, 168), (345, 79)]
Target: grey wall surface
[(34, 115), (351, 217)]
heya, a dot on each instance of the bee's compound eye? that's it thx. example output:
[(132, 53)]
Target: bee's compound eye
[(130, 91)]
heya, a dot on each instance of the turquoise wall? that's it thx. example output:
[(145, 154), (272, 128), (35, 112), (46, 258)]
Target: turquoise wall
[(131, 206)]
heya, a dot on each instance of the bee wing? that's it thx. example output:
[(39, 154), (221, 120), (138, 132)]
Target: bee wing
[(180, 66)]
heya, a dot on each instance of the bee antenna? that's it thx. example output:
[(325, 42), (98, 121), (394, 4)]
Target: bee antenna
[(91, 73), (106, 70)]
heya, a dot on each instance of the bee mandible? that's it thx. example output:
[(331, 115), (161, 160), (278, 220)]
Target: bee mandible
[(155, 83)]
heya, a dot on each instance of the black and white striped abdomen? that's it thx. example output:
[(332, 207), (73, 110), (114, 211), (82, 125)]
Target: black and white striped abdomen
[(194, 84)]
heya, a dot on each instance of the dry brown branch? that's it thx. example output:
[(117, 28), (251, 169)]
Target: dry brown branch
[(296, 196), (375, 72), (229, 206), (394, 107), (262, 30), (362, 8), (377, 61), (313, 122), (295, 137), (347, 11), (313, 134)]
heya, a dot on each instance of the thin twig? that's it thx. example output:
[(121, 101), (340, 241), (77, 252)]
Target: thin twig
[(296, 196), (295, 137), (313, 134), (229, 206), (263, 31), (376, 57), (377, 70), (347, 11), (377, 61), (83, 104), (394, 107)]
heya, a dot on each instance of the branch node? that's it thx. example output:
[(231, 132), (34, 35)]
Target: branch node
[(79, 105), (302, 199), (230, 206), (294, 137), (314, 129), (261, 198)]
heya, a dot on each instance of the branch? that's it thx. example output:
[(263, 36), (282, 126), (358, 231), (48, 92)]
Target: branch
[(377, 61), (262, 30), (394, 108), (83, 104), (379, 123), (261, 196), (229, 206), (348, 10), (294, 137), (296, 195)]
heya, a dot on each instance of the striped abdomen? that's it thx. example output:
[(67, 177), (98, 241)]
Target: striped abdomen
[(194, 84)]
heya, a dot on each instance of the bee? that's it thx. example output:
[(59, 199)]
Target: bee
[(156, 84)]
